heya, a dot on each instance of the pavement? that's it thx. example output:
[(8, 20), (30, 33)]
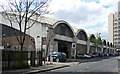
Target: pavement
[(109, 65), (44, 68), (54, 65)]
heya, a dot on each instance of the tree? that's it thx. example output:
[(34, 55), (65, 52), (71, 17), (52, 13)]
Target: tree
[(97, 41), (50, 38), (23, 11)]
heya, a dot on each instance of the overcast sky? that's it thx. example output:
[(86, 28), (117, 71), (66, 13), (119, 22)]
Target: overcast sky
[(91, 15)]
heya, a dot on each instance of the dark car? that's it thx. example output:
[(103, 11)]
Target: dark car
[(111, 54), (82, 56), (58, 56), (106, 54), (116, 54), (101, 54), (95, 54)]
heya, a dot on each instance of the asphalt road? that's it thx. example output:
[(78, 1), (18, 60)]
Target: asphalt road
[(95, 65)]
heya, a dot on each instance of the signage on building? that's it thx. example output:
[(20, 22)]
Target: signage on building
[(73, 45)]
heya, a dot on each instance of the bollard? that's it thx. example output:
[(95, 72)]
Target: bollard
[(44, 60)]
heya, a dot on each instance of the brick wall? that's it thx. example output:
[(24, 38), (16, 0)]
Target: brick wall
[(12, 41)]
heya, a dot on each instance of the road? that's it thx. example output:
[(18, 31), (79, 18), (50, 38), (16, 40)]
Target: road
[(103, 65)]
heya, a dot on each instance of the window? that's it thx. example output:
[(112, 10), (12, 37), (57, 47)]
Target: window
[(63, 30), (80, 36)]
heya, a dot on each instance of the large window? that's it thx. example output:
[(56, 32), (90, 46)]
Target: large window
[(82, 36), (63, 29)]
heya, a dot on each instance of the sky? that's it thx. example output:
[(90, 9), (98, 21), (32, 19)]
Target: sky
[(90, 15)]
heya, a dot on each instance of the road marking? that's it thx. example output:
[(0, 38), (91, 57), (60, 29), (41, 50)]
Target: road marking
[(115, 69), (80, 70)]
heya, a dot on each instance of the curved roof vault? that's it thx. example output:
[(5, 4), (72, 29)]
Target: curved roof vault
[(82, 30), (108, 44), (66, 23), (90, 36), (104, 42), (54, 22)]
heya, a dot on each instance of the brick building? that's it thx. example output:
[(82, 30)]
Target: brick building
[(9, 41)]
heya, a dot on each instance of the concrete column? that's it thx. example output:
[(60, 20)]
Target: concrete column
[(75, 41), (70, 49), (0, 61), (55, 47), (114, 50), (96, 49), (88, 46), (102, 49), (109, 49)]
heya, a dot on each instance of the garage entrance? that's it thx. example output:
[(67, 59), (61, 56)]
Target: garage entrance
[(62, 47)]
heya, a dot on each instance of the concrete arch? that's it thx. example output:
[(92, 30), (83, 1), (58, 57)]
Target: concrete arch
[(111, 45), (108, 44), (111, 50), (104, 46), (82, 41), (104, 42), (91, 36), (108, 47), (82, 30), (91, 47), (64, 35), (64, 22)]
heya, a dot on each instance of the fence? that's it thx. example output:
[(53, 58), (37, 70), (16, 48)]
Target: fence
[(19, 59)]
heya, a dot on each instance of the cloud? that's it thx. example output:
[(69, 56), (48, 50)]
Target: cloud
[(85, 13), (91, 15)]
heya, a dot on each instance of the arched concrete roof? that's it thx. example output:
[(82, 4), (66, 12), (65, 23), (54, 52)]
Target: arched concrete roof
[(108, 44), (75, 30), (66, 23), (111, 45), (91, 35), (104, 41), (82, 30)]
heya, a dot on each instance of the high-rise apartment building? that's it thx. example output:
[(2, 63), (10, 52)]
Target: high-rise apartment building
[(110, 27), (114, 27), (116, 30)]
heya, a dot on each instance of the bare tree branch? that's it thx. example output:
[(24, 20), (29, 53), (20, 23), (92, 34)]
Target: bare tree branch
[(32, 24), (35, 9), (21, 12)]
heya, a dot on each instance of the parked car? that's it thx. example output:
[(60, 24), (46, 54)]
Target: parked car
[(90, 55), (117, 54), (58, 56), (106, 54), (95, 54), (111, 54), (82, 56), (100, 54)]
